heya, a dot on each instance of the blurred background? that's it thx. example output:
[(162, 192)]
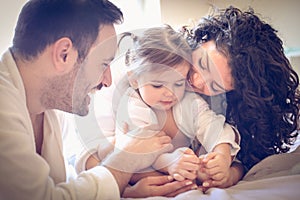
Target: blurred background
[(282, 15)]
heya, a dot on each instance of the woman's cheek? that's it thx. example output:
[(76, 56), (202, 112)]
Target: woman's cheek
[(196, 80)]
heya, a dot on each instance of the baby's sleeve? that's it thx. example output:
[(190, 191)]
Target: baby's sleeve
[(199, 121), (211, 130)]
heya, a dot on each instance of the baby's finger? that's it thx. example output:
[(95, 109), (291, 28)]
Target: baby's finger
[(201, 158), (209, 156), (190, 166), (213, 163), (211, 171)]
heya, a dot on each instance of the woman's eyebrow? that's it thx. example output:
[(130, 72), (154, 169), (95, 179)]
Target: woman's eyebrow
[(207, 67), (207, 60)]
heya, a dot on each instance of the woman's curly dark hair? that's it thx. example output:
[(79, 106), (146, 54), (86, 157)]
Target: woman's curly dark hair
[(264, 105)]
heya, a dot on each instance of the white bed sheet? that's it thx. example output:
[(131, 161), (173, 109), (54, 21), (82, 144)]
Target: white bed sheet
[(276, 177)]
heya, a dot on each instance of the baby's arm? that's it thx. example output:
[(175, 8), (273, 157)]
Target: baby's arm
[(180, 164), (218, 138)]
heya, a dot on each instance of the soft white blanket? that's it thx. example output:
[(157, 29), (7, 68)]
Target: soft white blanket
[(276, 177)]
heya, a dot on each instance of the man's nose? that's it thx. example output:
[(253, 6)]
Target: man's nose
[(107, 77)]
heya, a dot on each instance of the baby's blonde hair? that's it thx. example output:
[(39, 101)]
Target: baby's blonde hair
[(157, 49)]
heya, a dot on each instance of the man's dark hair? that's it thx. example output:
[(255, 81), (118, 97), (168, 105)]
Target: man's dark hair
[(42, 22)]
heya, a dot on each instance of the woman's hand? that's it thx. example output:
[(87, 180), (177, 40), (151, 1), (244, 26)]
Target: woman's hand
[(158, 186)]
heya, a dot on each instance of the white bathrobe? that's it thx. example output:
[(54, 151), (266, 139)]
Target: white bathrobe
[(24, 174)]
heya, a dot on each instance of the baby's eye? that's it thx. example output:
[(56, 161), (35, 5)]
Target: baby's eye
[(180, 84), (157, 85)]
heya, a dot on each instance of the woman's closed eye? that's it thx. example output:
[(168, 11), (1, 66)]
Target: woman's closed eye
[(216, 87), (202, 64)]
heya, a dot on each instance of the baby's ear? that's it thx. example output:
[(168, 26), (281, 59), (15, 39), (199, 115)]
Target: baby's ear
[(132, 80)]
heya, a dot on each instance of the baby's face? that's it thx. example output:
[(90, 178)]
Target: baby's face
[(162, 90)]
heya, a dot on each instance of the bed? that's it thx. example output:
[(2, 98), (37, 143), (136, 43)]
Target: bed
[(276, 177)]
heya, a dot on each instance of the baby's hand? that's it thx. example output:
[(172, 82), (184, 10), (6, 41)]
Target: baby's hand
[(213, 166), (185, 167)]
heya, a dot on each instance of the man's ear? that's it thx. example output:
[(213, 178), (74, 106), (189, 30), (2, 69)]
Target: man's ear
[(64, 55)]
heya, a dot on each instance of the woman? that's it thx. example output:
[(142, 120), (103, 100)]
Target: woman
[(239, 55)]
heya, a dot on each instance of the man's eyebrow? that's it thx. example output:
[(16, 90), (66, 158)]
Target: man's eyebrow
[(109, 59)]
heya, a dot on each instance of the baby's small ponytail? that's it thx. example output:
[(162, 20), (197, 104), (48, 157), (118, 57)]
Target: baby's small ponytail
[(129, 55)]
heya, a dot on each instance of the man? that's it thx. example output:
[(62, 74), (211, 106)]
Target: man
[(61, 52)]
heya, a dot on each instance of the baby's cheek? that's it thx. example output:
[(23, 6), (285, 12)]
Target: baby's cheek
[(179, 94)]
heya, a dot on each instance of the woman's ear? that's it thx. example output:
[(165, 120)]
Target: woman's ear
[(64, 55)]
